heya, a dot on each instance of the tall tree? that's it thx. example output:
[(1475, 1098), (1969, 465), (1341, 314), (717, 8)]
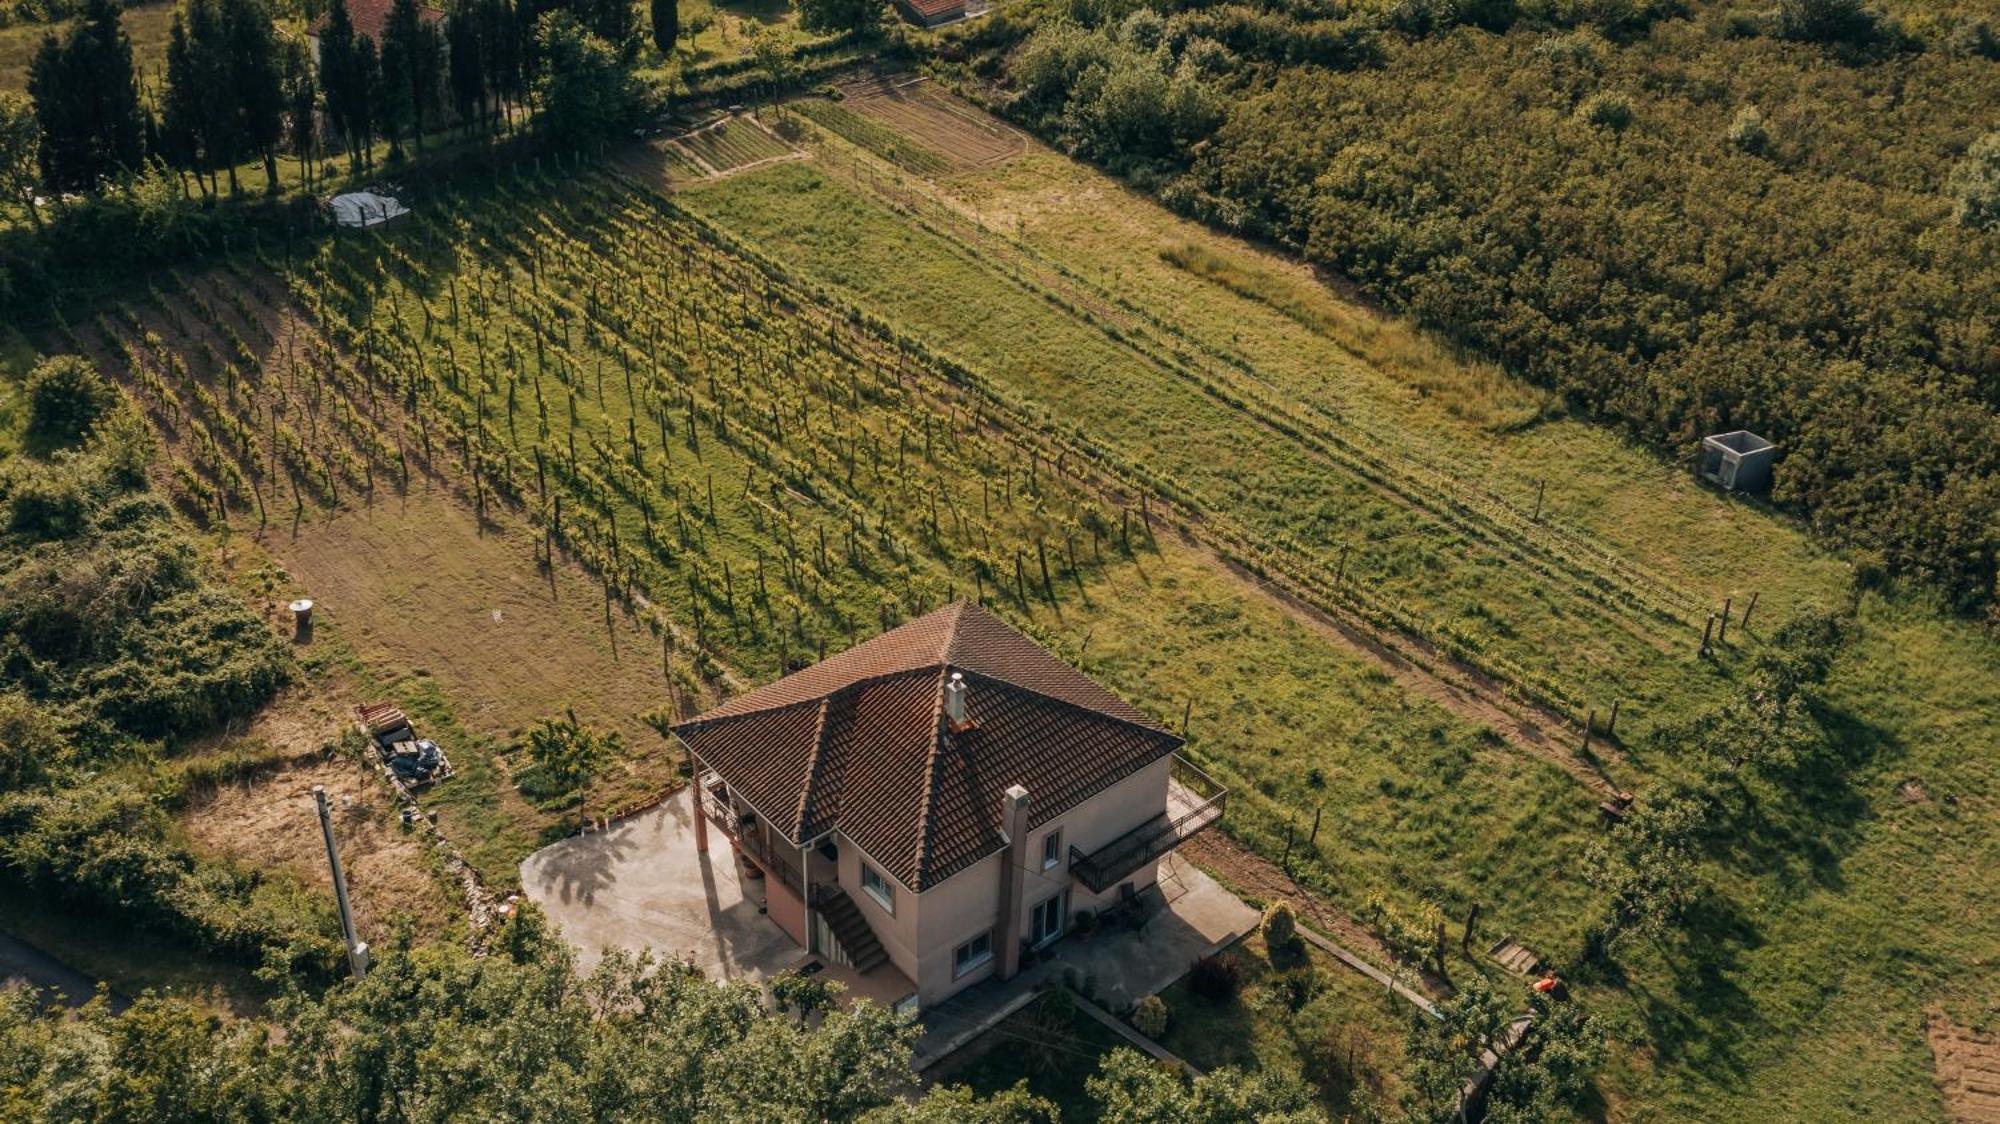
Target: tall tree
[(301, 107), (256, 76), (666, 25), (343, 74), (368, 93), (614, 21), (412, 69), (839, 15), (504, 54), (467, 63), (20, 146), (198, 103), (583, 89), (86, 97)]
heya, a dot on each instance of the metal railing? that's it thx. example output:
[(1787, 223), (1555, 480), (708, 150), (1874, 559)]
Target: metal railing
[(1195, 801), (777, 863)]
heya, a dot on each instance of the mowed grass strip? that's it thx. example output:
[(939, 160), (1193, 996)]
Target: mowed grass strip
[(1062, 358)]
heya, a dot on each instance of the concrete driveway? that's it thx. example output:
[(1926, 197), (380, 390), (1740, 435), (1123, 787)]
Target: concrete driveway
[(642, 885)]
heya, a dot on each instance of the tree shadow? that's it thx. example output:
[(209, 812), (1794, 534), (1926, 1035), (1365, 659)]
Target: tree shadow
[(1704, 1017)]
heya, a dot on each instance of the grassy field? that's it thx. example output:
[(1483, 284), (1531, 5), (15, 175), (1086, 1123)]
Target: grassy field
[(1854, 914), (732, 563), (634, 450), (145, 24)]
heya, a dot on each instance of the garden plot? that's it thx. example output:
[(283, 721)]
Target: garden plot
[(935, 121), (734, 143)]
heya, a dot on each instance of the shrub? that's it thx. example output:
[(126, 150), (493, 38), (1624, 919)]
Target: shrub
[(1747, 132), (47, 504), (1827, 21), (66, 396), (1297, 987), (1974, 186), (125, 444), (1606, 111), (1150, 1016), (1216, 978), (1281, 929)]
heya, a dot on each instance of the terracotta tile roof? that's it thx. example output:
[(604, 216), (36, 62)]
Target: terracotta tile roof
[(371, 16), (930, 9), (859, 741)]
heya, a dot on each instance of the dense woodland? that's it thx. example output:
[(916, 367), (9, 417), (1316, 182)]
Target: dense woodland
[(1687, 217)]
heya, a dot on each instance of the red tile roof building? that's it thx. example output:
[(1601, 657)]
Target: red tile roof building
[(930, 13), (861, 754)]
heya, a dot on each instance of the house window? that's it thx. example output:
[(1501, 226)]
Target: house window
[(878, 887), (1047, 922), (972, 954), (1052, 849)]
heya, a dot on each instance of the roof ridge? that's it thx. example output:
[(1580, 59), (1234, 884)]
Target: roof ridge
[(810, 700), (1149, 725), (926, 824), (811, 784)]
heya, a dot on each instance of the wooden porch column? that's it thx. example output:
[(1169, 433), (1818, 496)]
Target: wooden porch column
[(700, 813)]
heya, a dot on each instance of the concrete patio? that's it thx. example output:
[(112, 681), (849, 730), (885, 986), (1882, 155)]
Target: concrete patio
[(1188, 916), (642, 885)]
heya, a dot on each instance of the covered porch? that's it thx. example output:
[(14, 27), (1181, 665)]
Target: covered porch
[(650, 883)]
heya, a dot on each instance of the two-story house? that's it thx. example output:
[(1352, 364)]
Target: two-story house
[(942, 799)]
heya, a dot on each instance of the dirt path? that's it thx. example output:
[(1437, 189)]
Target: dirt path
[(1529, 729)]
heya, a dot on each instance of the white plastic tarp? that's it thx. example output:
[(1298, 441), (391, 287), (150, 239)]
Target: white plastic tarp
[(365, 208)]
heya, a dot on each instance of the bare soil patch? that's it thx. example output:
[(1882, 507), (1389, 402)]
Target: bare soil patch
[(271, 821), (1968, 1069)]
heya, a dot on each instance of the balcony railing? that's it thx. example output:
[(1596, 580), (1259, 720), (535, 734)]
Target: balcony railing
[(778, 862), (1195, 801)]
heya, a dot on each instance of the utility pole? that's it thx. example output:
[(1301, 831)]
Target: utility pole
[(357, 951)]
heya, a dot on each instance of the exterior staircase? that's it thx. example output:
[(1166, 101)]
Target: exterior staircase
[(858, 944)]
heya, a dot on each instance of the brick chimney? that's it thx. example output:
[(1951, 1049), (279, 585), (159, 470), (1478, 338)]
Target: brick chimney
[(1013, 879)]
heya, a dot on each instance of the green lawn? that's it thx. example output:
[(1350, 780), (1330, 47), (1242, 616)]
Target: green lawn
[(1850, 911)]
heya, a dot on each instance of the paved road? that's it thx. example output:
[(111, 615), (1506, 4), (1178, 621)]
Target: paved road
[(25, 964)]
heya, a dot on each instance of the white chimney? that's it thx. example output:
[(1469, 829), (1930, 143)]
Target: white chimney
[(954, 702)]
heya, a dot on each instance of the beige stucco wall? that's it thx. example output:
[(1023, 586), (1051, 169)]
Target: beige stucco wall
[(921, 936), (950, 913), (1090, 825), (897, 931)]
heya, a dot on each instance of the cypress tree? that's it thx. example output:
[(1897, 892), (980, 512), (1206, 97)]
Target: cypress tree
[(86, 96), (255, 85), (343, 78), (412, 69), (666, 25), (467, 57), (301, 107)]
